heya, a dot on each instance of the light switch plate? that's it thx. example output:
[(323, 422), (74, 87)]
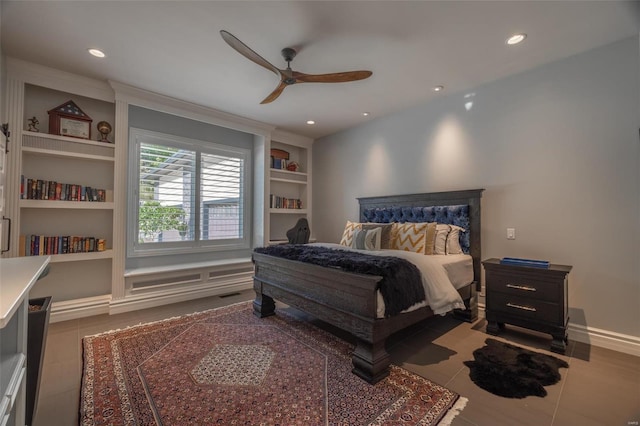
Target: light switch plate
[(511, 233)]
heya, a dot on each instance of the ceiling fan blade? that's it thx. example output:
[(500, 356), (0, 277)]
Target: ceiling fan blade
[(338, 77), (245, 51), (274, 95)]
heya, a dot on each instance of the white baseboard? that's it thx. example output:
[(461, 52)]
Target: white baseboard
[(159, 298), (597, 337), (98, 305), (605, 339), (79, 308)]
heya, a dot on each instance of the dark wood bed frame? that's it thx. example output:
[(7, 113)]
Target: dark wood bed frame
[(348, 300)]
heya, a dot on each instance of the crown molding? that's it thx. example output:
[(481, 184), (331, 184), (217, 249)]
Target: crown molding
[(144, 98), (64, 81)]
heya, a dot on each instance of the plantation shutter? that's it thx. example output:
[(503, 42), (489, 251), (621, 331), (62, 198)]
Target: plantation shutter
[(166, 193), (187, 195), (221, 203)]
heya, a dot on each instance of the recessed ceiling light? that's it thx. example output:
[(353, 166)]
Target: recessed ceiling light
[(438, 88), (97, 53), (311, 122), (516, 38), (365, 114)]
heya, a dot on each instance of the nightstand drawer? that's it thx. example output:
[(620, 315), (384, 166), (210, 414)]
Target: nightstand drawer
[(525, 307), (524, 286)]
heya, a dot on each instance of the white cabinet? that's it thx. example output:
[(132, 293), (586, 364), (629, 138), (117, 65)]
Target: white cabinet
[(289, 190), (17, 276)]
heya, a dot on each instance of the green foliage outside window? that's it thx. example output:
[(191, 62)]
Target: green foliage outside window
[(153, 218)]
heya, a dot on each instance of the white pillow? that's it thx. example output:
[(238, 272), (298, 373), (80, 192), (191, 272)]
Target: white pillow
[(442, 231), (453, 240), (367, 239)]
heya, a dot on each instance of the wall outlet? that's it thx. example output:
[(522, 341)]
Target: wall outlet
[(511, 233)]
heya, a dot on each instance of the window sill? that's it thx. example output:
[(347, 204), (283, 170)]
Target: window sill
[(138, 272)]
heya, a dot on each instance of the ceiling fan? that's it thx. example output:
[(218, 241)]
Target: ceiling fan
[(288, 76)]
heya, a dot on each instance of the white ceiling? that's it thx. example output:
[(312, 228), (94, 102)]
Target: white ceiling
[(174, 48)]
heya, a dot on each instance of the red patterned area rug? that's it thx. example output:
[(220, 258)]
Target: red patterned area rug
[(228, 367)]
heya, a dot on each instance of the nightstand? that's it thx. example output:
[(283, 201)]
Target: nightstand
[(529, 297)]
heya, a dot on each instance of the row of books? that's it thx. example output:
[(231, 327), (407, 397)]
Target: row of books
[(41, 245), (37, 189), (276, 202)]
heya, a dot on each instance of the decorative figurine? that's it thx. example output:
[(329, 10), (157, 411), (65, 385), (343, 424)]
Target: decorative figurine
[(104, 128), (33, 121)]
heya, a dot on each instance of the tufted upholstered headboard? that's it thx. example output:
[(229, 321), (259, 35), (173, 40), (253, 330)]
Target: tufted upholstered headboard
[(450, 215), (461, 208)]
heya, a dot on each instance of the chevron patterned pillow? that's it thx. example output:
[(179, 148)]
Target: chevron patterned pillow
[(347, 234), (410, 236)]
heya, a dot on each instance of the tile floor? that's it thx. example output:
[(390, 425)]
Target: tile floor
[(600, 387)]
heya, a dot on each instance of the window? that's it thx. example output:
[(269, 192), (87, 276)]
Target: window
[(186, 195)]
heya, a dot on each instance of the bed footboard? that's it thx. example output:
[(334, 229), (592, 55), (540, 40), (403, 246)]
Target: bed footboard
[(343, 299)]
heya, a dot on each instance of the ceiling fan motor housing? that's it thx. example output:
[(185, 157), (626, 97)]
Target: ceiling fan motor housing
[(288, 54)]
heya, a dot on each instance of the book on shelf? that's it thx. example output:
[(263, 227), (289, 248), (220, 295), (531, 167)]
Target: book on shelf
[(277, 202), (45, 245), (38, 189), (516, 261), (279, 163)]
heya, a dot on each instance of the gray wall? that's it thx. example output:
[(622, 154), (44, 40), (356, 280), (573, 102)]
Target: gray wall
[(557, 150)]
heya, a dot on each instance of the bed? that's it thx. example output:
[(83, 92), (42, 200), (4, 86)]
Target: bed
[(349, 301)]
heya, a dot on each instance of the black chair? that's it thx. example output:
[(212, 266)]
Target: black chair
[(300, 233)]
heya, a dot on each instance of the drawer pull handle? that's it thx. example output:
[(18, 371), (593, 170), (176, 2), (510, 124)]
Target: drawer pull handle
[(521, 287), (524, 308)]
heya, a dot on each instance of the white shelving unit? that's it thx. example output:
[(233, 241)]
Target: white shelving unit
[(48, 157), (75, 205), (63, 146), (289, 184), (42, 154), (288, 211)]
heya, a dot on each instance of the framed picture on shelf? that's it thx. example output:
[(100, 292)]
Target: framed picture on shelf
[(68, 119), (279, 153)]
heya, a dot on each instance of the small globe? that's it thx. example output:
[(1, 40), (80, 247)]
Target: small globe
[(104, 128)]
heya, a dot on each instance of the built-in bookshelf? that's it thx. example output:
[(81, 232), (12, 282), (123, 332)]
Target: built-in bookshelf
[(64, 192), (52, 160), (289, 184)]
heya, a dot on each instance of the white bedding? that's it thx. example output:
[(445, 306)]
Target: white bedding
[(459, 268), (441, 294)]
